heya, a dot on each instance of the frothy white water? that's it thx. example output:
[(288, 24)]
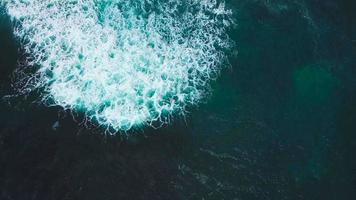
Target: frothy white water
[(123, 63)]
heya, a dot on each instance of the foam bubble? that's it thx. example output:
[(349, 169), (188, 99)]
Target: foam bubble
[(123, 63)]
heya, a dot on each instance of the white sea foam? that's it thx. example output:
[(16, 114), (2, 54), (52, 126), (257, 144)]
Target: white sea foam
[(123, 63)]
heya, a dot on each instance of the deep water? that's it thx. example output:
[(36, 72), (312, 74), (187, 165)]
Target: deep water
[(280, 122)]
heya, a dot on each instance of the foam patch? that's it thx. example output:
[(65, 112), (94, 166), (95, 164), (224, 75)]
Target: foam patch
[(124, 63)]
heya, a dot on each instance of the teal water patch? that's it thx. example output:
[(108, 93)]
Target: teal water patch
[(314, 83), (123, 63)]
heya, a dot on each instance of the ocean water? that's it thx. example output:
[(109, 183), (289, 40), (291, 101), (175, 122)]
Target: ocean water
[(279, 122)]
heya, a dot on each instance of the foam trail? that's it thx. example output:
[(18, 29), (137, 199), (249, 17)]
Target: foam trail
[(124, 63)]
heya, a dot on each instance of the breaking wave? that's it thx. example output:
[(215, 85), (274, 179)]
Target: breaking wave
[(123, 63)]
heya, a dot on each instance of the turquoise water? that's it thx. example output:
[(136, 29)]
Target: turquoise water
[(279, 123)]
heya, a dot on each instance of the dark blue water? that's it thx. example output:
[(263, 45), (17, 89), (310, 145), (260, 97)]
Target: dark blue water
[(280, 124)]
